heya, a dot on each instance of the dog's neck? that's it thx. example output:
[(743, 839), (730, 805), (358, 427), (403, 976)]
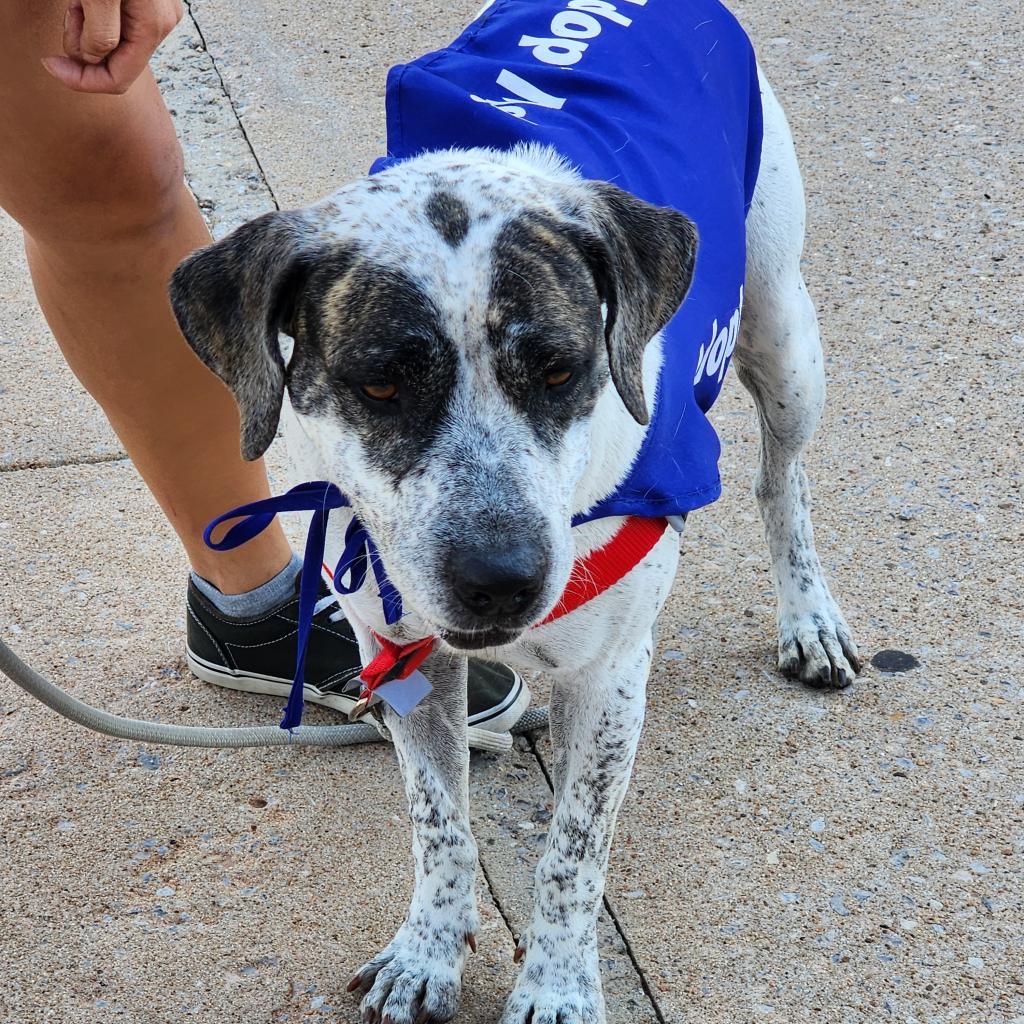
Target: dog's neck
[(615, 437)]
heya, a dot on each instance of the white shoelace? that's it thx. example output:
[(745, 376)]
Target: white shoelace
[(326, 602)]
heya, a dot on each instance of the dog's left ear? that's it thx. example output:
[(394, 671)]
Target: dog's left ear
[(643, 267)]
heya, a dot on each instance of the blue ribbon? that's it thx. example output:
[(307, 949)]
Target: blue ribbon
[(319, 497)]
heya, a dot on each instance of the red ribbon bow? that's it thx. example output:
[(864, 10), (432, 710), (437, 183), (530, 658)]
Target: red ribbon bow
[(395, 661)]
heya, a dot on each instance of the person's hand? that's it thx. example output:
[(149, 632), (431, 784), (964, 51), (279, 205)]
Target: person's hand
[(107, 43)]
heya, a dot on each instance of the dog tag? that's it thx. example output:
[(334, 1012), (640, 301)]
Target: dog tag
[(404, 694), (360, 708)]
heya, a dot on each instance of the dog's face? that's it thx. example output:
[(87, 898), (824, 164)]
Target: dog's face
[(455, 320)]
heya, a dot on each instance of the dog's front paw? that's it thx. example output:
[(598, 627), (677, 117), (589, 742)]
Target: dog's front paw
[(555, 988), (417, 979), (815, 645)]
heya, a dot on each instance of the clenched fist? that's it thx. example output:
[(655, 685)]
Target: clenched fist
[(107, 43)]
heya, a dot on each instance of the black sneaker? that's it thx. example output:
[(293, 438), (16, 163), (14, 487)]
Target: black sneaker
[(258, 656)]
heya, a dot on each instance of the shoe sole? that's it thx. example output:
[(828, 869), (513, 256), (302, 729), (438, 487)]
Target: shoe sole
[(499, 718)]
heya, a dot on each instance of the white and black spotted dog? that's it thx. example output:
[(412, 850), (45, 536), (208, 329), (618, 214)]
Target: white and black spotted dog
[(477, 344)]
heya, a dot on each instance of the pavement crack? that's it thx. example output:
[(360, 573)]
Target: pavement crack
[(231, 103), (644, 983), (496, 899), (58, 463)]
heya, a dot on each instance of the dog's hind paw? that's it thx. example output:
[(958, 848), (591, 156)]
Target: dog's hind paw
[(411, 982), (817, 648)]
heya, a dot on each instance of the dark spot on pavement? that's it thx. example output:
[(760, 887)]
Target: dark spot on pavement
[(895, 661)]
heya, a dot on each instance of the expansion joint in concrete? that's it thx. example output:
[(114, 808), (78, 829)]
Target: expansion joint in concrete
[(496, 899), (83, 460), (231, 102)]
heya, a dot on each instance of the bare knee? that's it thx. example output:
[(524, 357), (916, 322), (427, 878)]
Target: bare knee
[(87, 171), (109, 208)]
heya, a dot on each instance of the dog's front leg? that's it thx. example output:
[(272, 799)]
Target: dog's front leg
[(418, 976), (596, 718)]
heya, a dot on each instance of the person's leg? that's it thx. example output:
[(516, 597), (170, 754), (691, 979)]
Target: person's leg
[(96, 183)]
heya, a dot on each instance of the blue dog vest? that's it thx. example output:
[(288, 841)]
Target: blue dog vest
[(659, 97)]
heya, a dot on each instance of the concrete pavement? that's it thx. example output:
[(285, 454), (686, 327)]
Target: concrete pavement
[(783, 855)]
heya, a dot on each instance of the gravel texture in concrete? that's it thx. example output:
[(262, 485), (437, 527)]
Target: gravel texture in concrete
[(162, 884)]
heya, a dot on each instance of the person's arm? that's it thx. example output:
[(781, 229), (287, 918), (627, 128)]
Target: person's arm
[(108, 43)]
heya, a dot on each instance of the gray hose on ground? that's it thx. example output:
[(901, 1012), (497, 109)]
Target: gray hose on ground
[(531, 720), (195, 736)]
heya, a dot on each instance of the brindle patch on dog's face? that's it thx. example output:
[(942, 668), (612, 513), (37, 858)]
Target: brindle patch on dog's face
[(544, 319), (360, 324), (448, 214)]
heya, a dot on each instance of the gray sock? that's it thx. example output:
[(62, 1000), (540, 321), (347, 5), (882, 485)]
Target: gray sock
[(253, 602)]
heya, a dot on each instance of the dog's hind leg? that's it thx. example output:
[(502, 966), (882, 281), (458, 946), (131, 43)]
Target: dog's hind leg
[(596, 718), (418, 976), (779, 360)]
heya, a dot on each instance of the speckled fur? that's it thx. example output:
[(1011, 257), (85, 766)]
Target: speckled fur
[(779, 360), (418, 976), (488, 463)]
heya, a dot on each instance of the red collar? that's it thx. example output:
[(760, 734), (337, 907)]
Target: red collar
[(591, 576), (594, 573)]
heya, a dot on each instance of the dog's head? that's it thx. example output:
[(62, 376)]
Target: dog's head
[(455, 321)]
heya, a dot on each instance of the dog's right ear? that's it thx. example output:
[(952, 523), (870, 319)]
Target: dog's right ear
[(232, 298)]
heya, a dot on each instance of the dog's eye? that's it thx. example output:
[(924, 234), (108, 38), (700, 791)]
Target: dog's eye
[(558, 378), (380, 392)]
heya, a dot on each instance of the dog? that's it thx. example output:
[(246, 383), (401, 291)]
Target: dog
[(480, 336)]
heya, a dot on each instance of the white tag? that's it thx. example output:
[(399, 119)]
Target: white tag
[(404, 694)]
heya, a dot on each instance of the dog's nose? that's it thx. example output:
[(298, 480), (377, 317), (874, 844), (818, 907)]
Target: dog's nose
[(494, 583)]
